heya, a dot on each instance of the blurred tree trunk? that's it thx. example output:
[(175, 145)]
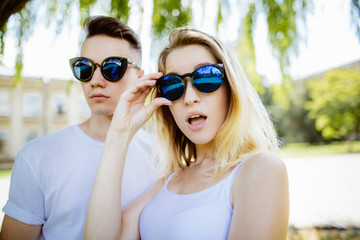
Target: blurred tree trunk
[(8, 7)]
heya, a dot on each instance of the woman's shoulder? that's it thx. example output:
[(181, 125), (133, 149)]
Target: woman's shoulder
[(263, 162), (261, 169)]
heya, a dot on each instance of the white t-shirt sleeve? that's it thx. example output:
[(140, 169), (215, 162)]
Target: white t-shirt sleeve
[(26, 199)]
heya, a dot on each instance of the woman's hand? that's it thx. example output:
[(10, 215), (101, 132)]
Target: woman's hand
[(131, 112)]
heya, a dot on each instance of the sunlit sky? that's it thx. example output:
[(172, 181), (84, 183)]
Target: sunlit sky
[(330, 41)]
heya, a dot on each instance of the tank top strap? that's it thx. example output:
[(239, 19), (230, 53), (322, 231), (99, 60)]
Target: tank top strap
[(230, 179), (168, 180)]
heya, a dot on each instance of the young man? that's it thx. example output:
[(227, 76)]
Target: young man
[(53, 175)]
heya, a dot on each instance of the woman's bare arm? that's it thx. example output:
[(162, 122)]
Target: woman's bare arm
[(104, 216)]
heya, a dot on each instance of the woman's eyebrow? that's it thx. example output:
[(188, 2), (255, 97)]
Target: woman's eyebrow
[(195, 67), (201, 64)]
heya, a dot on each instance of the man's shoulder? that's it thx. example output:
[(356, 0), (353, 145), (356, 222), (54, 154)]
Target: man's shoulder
[(49, 139), (43, 150)]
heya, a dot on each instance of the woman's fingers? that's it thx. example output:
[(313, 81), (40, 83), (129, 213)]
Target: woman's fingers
[(138, 89), (131, 112), (156, 103), (144, 84)]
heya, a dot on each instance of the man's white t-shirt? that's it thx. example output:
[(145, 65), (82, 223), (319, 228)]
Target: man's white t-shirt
[(52, 178)]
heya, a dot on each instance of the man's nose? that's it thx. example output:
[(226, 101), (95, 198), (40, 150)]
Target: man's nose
[(97, 78)]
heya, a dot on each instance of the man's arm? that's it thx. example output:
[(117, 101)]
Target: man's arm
[(14, 229)]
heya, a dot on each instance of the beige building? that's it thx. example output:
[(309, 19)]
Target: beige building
[(35, 108)]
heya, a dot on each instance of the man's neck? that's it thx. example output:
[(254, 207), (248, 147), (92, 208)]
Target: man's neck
[(96, 126)]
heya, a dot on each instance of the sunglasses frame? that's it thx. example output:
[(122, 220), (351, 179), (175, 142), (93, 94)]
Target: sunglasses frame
[(182, 77), (94, 65)]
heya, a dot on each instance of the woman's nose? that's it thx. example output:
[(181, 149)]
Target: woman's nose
[(191, 95)]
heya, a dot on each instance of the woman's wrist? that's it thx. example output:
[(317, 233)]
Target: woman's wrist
[(116, 137), (120, 134), (116, 146)]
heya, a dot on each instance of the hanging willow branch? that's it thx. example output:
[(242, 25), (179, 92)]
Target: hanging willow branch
[(355, 15)]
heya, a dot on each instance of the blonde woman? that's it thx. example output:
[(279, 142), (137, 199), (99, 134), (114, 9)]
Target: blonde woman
[(220, 180)]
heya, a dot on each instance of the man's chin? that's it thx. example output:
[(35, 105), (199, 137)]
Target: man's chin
[(103, 113)]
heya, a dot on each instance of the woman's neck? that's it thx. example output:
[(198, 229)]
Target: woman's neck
[(204, 150)]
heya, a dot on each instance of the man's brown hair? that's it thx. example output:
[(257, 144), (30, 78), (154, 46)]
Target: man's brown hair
[(111, 27)]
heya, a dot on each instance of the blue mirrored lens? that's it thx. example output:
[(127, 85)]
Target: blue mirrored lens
[(207, 79), (113, 69), (172, 87), (82, 69)]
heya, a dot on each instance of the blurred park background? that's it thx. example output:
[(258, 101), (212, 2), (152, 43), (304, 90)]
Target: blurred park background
[(302, 56)]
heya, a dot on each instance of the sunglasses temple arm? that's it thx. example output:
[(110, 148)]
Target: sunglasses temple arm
[(134, 64)]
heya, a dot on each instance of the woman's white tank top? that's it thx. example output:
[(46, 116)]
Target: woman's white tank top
[(202, 215)]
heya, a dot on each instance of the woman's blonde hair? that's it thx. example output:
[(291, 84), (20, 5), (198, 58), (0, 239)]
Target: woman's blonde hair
[(246, 130)]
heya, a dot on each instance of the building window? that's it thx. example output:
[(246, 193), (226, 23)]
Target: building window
[(32, 105), (4, 104), (30, 134), (59, 104)]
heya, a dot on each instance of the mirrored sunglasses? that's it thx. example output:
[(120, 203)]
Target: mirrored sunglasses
[(112, 68), (207, 79)]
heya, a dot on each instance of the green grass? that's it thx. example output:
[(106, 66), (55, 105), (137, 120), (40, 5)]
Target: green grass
[(5, 173), (305, 149)]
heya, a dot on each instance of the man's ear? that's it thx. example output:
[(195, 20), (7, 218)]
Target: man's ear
[(140, 73)]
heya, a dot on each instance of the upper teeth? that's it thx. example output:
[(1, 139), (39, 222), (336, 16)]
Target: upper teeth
[(195, 116)]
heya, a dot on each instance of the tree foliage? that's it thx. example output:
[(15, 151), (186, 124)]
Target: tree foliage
[(282, 19), (246, 51), (168, 14), (24, 29), (292, 123), (120, 9), (335, 103)]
